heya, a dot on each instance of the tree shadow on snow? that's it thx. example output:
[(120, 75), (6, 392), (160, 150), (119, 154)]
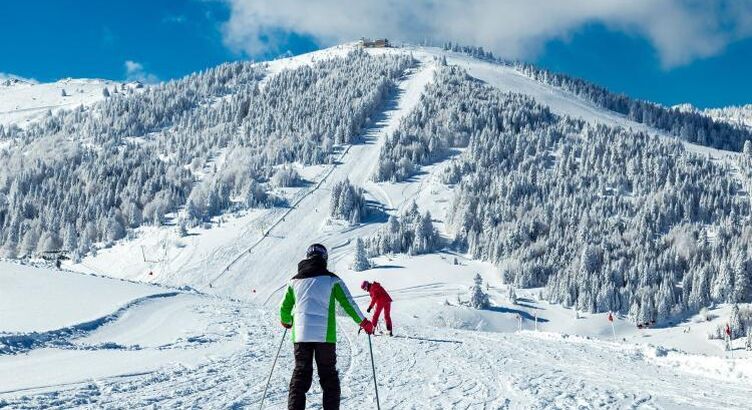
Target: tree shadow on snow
[(302, 183), (428, 339), (415, 177), (376, 213), (525, 305), (379, 118), (525, 315)]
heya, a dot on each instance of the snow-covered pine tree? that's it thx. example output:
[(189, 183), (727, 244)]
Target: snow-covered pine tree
[(182, 227), (735, 321), (742, 285), (70, 239), (347, 202), (690, 126), (515, 200), (254, 130), (512, 295), (425, 238), (360, 260), (478, 298), (29, 242), (48, 242), (411, 233), (114, 228), (286, 177)]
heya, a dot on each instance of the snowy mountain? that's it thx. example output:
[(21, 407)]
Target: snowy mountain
[(23, 101), (737, 115), (432, 165), (9, 81)]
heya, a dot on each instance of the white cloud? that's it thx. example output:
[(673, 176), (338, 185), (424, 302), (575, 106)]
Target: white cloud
[(680, 30), (134, 71)]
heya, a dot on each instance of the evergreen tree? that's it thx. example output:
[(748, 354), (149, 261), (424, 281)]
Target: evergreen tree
[(478, 298), (70, 240), (360, 261), (742, 285), (411, 233), (134, 153), (515, 200), (512, 295), (114, 229), (182, 228), (735, 321), (29, 243)]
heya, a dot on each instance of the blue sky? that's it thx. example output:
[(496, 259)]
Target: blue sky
[(704, 64), (629, 64)]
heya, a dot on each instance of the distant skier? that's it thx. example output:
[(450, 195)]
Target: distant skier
[(308, 308), (382, 301)]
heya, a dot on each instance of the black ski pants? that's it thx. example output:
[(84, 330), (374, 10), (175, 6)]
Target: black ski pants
[(302, 377)]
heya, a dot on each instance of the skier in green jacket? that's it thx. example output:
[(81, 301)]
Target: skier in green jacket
[(308, 308)]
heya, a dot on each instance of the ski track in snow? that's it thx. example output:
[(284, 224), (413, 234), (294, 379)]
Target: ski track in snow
[(15, 343), (430, 368), (272, 260)]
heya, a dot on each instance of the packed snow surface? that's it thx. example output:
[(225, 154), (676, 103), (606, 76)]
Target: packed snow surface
[(24, 102), (39, 300), (189, 350)]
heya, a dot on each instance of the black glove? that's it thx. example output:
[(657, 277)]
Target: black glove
[(369, 309)]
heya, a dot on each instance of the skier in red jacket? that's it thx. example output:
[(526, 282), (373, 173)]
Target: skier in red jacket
[(382, 301)]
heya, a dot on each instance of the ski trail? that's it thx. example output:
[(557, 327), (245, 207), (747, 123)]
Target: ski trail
[(17, 343), (424, 368), (258, 273)]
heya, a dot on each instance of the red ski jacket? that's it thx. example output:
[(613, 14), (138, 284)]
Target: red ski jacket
[(379, 296)]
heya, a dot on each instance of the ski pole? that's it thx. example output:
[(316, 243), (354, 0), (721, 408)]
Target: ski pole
[(281, 342), (373, 369)]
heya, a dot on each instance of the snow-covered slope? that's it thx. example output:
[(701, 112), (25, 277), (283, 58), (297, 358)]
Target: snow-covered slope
[(40, 299), (737, 115), (137, 346), (22, 102), (251, 257), (185, 350), (62, 327), (274, 67), (242, 257)]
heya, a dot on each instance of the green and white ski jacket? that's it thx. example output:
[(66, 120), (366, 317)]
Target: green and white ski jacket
[(309, 303)]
